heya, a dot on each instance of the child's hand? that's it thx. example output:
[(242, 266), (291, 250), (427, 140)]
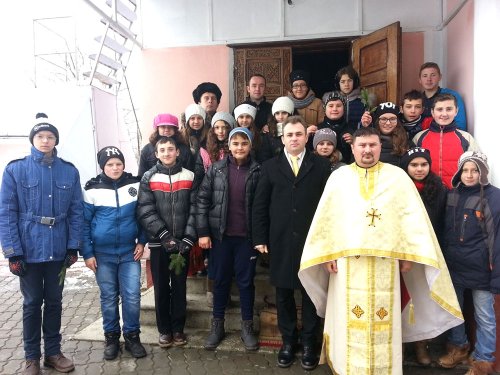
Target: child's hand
[(205, 242), (311, 129), (265, 129), (347, 137), (366, 119), (139, 250)]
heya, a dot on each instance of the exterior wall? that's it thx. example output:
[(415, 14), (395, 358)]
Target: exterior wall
[(412, 56), (169, 76), (486, 83), (209, 22), (460, 59)]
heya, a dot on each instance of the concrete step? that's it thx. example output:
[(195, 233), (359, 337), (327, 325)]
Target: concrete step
[(198, 285), (199, 314)]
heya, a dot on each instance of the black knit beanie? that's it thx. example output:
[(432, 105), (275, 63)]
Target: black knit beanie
[(42, 123), (109, 152)]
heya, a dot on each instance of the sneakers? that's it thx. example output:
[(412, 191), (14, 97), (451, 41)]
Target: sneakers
[(59, 362), (248, 335), (216, 335), (32, 367), (454, 356), (133, 344), (179, 339), (111, 345), (422, 353), (165, 340)]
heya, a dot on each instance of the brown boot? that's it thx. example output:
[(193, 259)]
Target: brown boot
[(480, 367), (32, 367), (454, 356), (422, 353), (59, 362)]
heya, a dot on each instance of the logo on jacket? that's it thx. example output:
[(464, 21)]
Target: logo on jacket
[(132, 191)]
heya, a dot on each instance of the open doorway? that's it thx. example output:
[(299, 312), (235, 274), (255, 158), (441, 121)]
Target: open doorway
[(376, 57), (322, 59)]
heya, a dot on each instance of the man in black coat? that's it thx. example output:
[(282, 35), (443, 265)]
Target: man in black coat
[(288, 192), (256, 89)]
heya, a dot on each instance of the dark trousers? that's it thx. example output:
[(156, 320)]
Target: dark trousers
[(287, 317), (233, 255), (170, 293), (40, 286)]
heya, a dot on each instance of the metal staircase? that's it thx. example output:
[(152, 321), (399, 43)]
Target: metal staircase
[(115, 44)]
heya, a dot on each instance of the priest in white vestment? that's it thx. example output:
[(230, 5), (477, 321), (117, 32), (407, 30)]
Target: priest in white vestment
[(373, 267)]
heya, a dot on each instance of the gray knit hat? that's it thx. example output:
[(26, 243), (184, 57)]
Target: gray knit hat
[(481, 162), (224, 116), (325, 135)]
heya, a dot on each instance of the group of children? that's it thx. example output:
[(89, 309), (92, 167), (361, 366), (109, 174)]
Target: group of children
[(198, 184)]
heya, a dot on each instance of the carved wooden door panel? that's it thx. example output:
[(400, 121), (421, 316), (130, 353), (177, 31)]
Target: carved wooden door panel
[(273, 63), (377, 59)]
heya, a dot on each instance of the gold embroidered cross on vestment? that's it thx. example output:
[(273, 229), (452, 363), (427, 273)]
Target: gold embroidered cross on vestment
[(373, 214)]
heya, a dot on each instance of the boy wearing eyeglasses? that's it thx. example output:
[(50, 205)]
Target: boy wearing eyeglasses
[(443, 139), (41, 221)]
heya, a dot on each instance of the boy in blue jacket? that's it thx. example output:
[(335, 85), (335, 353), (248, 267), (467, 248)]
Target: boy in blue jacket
[(112, 247), (40, 233)]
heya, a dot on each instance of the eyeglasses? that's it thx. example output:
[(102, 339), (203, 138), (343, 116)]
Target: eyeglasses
[(385, 120), (43, 138), (299, 86)]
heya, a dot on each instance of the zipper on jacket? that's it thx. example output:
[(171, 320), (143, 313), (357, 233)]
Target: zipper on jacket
[(117, 219), (441, 152), (462, 230), (172, 201)]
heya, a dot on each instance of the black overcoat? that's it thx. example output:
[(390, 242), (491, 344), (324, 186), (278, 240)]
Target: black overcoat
[(283, 208)]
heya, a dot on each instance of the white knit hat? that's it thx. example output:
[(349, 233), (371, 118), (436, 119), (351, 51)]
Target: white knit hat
[(245, 109), (195, 109), (283, 103)]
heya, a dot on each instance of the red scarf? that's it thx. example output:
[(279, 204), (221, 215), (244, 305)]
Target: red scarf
[(419, 184)]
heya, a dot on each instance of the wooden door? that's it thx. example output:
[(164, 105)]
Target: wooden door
[(273, 63), (377, 59)]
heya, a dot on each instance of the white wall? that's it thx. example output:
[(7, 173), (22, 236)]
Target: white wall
[(487, 82), (205, 22)]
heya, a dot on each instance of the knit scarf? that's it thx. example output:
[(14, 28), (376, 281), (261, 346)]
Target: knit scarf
[(303, 103), (410, 124), (420, 185), (354, 94)]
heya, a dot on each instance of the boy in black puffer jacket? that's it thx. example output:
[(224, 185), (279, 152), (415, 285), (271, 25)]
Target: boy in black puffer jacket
[(223, 223), (165, 211)]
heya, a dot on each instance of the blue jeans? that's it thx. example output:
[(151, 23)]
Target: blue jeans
[(484, 315), (40, 286), (119, 276)]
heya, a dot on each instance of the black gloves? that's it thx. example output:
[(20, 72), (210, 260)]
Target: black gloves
[(169, 243), (185, 246), (17, 265), (71, 257)]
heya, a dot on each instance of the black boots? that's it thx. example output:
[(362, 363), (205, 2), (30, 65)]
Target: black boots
[(111, 345), (248, 335), (133, 344), (216, 334)]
